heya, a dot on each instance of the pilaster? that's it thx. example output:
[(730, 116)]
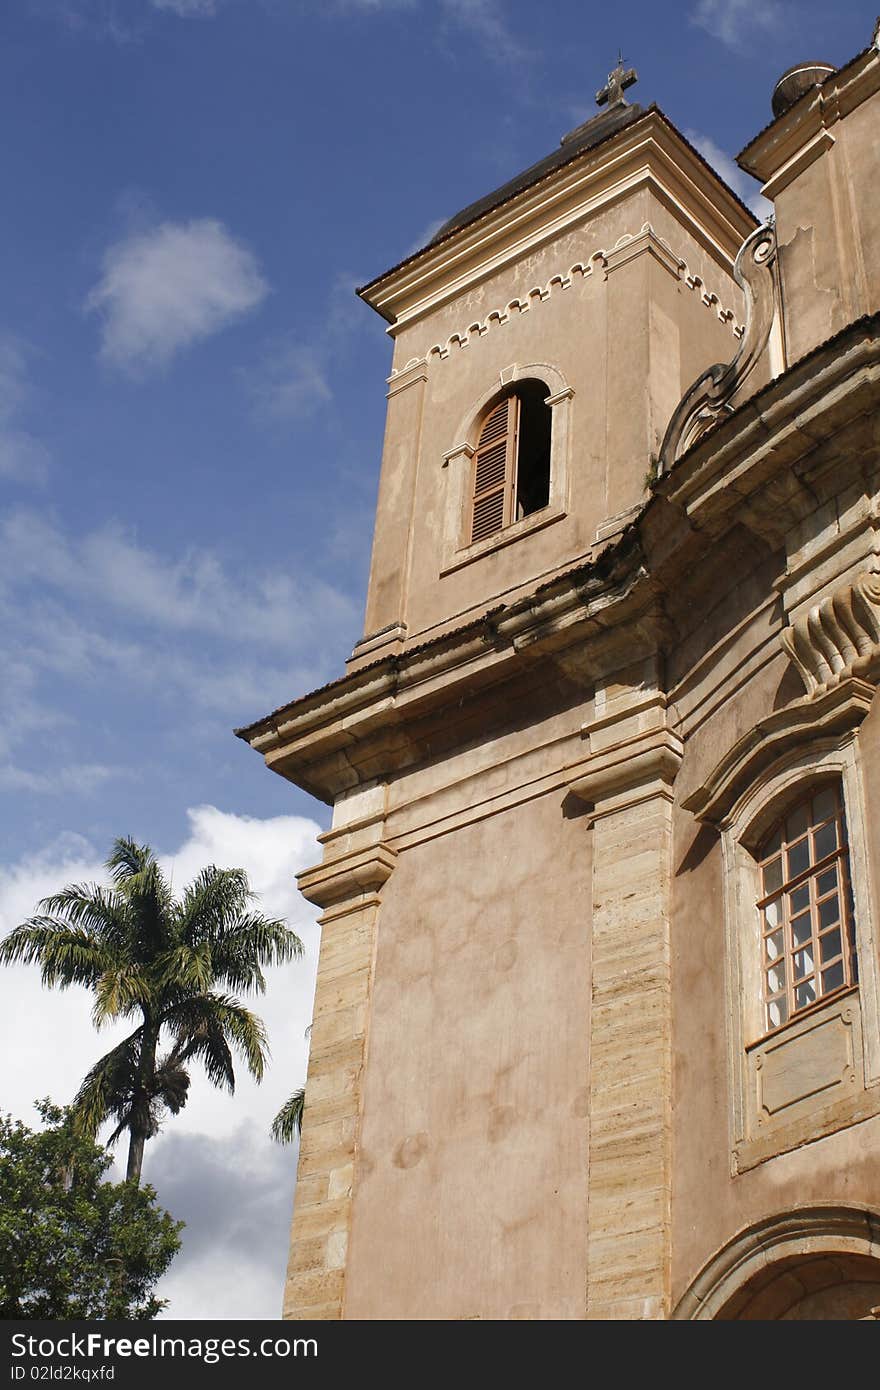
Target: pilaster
[(629, 786), (346, 885)]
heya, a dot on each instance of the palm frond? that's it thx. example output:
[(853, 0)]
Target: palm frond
[(121, 990), (88, 905), (209, 1024), (253, 942), (67, 955), (107, 1089), (288, 1122), (213, 903)]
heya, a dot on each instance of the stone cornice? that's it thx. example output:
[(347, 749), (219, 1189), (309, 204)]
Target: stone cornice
[(648, 152), (618, 774), (364, 725), (834, 711), (644, 242), (778, 151), (348, 877), (787, 421)]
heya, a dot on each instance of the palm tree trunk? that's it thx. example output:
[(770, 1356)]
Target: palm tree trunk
[(139, 1127)]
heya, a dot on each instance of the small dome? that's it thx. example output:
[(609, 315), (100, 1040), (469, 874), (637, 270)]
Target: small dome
[(797, 80)]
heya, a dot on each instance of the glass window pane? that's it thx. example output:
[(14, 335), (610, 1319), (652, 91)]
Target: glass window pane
[(805, 994), (799, 899), (803, 963), (797, 822), (773, 845), (776, 977), (777, 1013), (825, 804), (830, 945), (772, 876), (825, 840), (826, 882), (774, 946), (832, 978), (801, 929), (773, 913), (798, 858), (829, 912)]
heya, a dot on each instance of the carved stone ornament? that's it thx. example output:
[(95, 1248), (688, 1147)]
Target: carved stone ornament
[(839, 637), (710, 396)]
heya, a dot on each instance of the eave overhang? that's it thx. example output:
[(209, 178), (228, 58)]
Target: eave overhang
[(648, 152), (371, 723), (783, 144)]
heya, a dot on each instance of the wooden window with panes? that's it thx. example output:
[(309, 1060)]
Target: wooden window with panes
[(806, 908), (511, 477)]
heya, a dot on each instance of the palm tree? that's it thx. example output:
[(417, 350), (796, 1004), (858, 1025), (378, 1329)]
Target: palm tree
[(171, 964), (289, 1120)]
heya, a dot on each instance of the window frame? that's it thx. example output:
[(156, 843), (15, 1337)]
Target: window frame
[(792, 955), (457, 547), (770, 793)]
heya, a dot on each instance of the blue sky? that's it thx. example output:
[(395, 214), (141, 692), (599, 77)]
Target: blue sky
[(191, 414)]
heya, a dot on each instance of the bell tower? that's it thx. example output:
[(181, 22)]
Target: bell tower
[(583, 1045)]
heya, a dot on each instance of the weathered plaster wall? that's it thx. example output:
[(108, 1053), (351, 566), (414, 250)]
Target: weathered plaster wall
[(471, 1184)]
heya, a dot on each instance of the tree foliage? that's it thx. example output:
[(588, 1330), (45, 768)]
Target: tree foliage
[(168, 964), (288, 1121), (71, 1244)]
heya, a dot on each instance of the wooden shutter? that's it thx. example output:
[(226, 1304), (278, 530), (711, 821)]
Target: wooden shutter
[(495, 470)]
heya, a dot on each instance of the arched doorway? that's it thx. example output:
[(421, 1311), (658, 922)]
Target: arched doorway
[(817, 1263)]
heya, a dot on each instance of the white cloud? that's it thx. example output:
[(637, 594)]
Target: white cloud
[(172, 286), (187, 9), (22, 457), (290, 382), (734, 21), (485, 20), (742, 184), (222, 1141), (79, 778), (193, 592)]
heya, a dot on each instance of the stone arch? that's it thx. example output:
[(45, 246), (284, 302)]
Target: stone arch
[(817, 1263)]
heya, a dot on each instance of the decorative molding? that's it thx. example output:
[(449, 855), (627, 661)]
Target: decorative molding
[(351, 876), (709, 398), (830, 712), (646, 240), (810, 1231), (839, 637), (415, 370), (620, 775)]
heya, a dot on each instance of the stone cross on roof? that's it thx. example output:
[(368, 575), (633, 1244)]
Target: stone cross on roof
[(618, 78)]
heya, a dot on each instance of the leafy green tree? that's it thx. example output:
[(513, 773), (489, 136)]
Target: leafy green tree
[(289, 1120), (72, 1245), (168, 963)]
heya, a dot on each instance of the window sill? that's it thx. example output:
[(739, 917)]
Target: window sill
[(536, 522)]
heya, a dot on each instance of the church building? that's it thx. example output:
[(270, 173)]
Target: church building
[(597, 1021)]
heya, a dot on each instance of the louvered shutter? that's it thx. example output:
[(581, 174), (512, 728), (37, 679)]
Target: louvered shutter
[(495, 470)]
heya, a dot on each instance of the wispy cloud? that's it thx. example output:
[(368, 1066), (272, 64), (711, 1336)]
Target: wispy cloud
[(733, 22), (22, 456), (293, 378), (79, 778), (742, 184), (164, 289), (486, 21), (93, 19), (188, 9)]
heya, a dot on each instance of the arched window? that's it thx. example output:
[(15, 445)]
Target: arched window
[(806, 907), (511, 477)]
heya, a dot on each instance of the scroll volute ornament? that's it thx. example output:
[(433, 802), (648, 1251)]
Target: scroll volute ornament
[(838, 637), (708, 399)]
